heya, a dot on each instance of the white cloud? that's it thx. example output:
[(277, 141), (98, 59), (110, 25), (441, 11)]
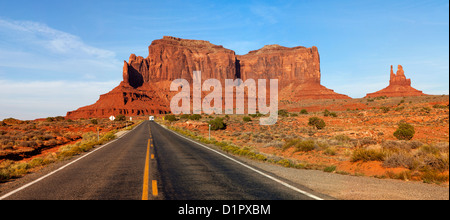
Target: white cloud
[(54, 40), (33, 45), (47, 72)]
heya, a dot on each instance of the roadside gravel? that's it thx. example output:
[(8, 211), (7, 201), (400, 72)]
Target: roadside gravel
[(346, 187)]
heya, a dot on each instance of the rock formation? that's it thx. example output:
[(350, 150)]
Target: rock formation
[(399, 86), (297, 69), (146, 81)]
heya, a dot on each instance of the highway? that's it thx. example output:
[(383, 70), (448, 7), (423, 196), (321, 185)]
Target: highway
[(153, 163)]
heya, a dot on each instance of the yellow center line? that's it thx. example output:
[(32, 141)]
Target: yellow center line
[(154, 188), (146, 174)]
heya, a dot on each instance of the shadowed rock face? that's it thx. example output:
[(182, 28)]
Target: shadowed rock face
[(399, 86), (146, 81)]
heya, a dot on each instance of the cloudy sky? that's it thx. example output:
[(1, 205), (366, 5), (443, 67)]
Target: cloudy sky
[(58, 55)]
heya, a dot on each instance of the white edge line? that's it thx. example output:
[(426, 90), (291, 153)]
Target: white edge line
[(61, 168), (251, 168)]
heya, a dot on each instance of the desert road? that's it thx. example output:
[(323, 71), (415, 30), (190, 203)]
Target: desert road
[(151, 162)]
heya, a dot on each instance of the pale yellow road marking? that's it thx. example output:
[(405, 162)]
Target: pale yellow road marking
[(153, 156), (154, 188), (146, 173)]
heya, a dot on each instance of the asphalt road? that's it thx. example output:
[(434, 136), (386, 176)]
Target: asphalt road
[(151, 162)]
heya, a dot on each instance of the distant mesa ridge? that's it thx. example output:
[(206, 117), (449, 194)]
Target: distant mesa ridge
[(145, 88), (399, 86)]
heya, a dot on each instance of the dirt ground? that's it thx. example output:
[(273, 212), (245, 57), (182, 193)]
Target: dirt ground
[(358, 125)]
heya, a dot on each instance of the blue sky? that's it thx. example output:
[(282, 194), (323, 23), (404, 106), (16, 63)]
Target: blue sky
[(56, 56)]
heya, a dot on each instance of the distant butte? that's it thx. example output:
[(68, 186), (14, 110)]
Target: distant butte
[(399, 86)]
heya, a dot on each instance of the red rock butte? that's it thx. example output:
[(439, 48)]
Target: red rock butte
[(399, 86), (145, 88)]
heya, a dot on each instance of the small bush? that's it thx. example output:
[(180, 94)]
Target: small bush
[(317, 122), (300, 145), (170, 118), (304, 112), (217, 124), (305, 146), (330, 169), (283, 113), (385, 109), (366, 155), (246, 119), (195, 117), (342, 138), (439, 106), (94, 121), (120, 118), (405, 131), (400, 159)]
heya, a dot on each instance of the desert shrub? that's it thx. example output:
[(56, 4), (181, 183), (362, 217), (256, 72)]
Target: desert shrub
[(317, 122), (400, 159), (300, 145), (257, 115), (330, 169), (425, 110), (396, 146), (327, 113), (439, 106), (342, 138), (290, 143), (283, 113), (431, 176), (366, 155), (170, 118), (120, 118), (246, 119), (184, 116), (366, 141), (59, 118), (385, 109), (286, 163), (331, 151), (303, 112), (305, 146), (94, 121), (217, 124), (276, 144), (195, 117), (405, 131)]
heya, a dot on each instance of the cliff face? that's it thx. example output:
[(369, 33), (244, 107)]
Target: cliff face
[(288, 65), (297, 70), (399, 86), (174, 58), (146, 81)]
